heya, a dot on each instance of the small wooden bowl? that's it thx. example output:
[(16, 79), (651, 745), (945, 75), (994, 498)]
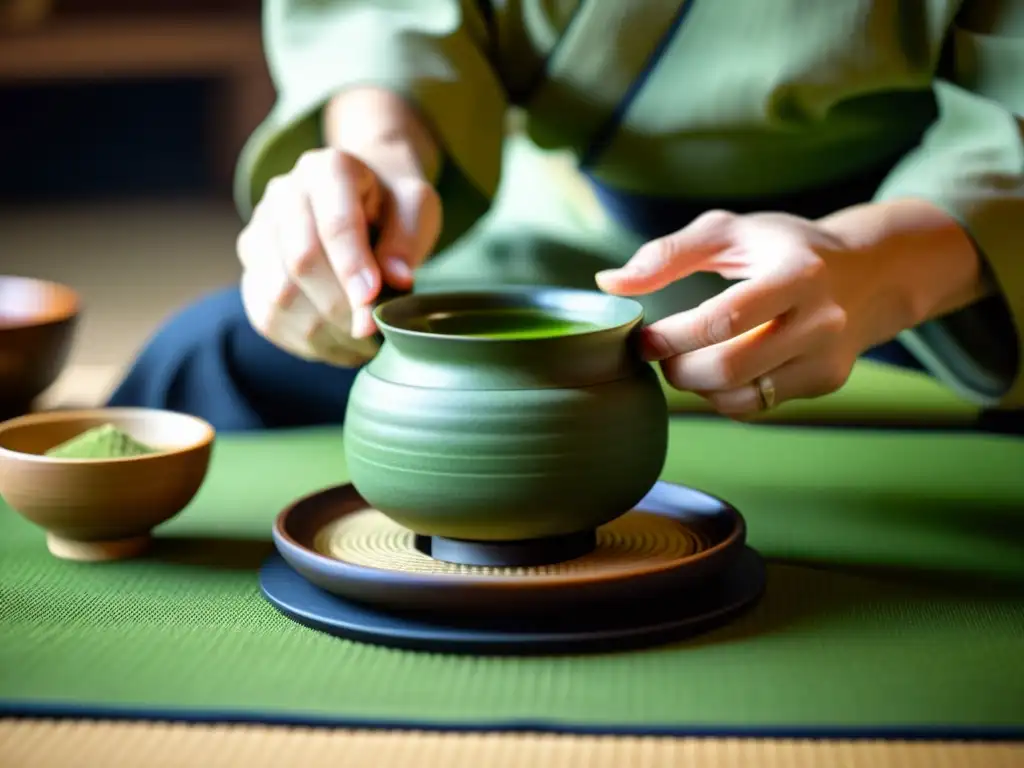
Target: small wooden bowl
[(102, 509), (37, 327)]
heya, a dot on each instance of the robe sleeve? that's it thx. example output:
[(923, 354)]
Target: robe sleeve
[(971, 164), (430, 51)]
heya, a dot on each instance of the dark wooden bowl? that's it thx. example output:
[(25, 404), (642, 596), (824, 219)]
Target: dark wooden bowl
[(37, 327)]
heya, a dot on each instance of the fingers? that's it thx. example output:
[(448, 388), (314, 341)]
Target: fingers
[(278, 310), (666, 259), (278, 315), (410, 226), (286, 275), (802, 378), (280, 281), (342, 193), (297, 329), (742, 359), (292, 250), (782, 320), (737, 310), (311, 273)]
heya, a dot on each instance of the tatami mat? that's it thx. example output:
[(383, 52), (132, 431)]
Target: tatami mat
[(49, 744)]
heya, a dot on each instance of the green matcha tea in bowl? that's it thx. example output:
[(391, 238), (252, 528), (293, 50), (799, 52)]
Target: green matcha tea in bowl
[(99, 481), (505, 427)]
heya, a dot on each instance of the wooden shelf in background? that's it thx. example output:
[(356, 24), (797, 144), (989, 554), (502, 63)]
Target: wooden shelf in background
[(97, 47), (224, 48)]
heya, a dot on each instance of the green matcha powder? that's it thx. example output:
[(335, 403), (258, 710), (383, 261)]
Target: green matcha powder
[(505, 324), (106, 442)]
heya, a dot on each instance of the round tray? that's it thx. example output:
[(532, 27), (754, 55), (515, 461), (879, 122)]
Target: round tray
[(635, 624), (676, 539)]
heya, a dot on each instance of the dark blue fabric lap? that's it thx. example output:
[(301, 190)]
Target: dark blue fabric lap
[(208, 361)]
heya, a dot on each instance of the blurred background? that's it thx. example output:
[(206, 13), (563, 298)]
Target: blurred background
[(120, 125)]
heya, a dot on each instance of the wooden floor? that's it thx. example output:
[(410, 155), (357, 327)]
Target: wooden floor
[(46, 744)]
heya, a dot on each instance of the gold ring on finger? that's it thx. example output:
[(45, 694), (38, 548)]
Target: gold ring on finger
[(765, 392)]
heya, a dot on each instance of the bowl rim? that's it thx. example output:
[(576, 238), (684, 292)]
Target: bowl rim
[(47, 417), (528, 292), (72, 309)]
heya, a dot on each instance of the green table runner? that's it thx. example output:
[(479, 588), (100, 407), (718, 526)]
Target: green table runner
[(870, 623)]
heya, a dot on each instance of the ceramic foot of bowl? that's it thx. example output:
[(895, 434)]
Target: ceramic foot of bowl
[(496, 554), (96, 551)]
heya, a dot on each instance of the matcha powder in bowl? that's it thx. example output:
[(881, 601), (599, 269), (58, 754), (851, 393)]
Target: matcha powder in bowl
[(106, 442)]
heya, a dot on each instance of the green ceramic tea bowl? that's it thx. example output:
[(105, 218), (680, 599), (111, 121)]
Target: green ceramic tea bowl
[(506, 416)]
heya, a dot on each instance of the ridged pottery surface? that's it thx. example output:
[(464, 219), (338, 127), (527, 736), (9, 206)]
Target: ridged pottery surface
[(499, 437)]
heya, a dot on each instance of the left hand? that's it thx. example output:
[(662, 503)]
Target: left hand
[(807, 306)]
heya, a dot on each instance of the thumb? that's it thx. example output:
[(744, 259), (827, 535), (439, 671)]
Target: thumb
[(409, 228), (664, 260)]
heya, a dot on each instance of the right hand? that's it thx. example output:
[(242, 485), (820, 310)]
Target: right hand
[(310, 271)]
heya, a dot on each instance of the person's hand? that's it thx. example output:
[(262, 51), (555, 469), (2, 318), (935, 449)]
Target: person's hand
[(810, 300), (311, 270)]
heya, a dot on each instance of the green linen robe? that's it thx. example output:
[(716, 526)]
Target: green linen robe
[(699, 99)]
